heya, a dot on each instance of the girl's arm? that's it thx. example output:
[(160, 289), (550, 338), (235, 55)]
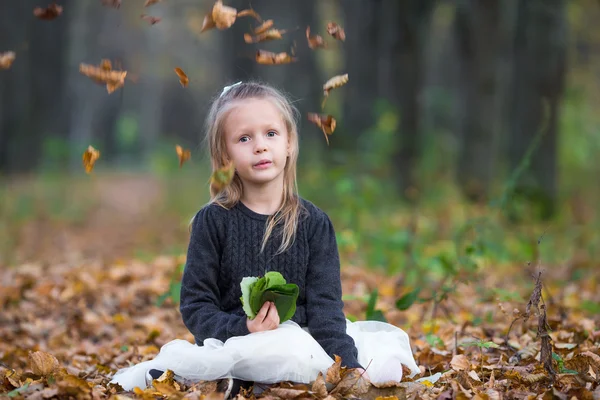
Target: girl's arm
[(324, 305), (200, 295)]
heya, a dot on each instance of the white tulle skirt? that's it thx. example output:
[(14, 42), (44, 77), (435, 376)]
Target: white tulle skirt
[(288, 353)]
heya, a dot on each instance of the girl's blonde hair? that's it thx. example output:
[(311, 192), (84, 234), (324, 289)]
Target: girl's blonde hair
[(289, 211)]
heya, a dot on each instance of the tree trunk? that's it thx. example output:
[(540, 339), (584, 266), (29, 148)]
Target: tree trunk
[(538, 83)]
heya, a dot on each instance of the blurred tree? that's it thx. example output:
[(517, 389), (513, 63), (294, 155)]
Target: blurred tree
[(537, 89)]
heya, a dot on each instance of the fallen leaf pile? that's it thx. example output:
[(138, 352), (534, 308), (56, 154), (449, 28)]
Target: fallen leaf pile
[(66, 329)]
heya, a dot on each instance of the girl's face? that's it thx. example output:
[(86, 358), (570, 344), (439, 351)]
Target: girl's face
[(257, 141)]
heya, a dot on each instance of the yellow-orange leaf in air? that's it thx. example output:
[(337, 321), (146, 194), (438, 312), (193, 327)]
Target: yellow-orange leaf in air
[(316, 41), (183, 155), (42, 363), (265, 26), (104, 75), (326, 122), (335, 82), (148, 3), (271, 34), (49, 13), (150, 19), (89, 158), (250, 13), (6, 59), (336, 31), (269, 58), (112, 3), (183, 79), (222, 177), (223, 16)]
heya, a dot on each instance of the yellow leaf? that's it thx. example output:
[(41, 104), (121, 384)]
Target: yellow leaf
[(42, 363)]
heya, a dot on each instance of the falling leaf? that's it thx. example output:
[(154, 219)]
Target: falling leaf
[(222, 177), (336, 31), (265, 26), (324, 121), (333, 372), (269, 58), (208, 23), (183, 155), (148, 3), (150, 19), (460, 363), (250, 13), (271, 34), (316, 41), (49, 13), (6, 59), (104, 74), (42, 363), (223, 16), (89, 158), (111, 3), (183, 79), (333, 83)]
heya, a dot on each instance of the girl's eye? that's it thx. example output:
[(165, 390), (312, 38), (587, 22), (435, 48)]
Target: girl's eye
[(271, 133), (244, 139)]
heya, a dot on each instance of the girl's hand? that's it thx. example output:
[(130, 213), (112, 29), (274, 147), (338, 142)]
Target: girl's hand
[(267, 319)]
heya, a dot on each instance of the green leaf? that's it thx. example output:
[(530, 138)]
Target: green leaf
[(18, 391), (376, 315), (408, 299), (372, 301)]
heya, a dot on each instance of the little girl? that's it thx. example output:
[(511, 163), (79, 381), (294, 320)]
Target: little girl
[(257, 224)]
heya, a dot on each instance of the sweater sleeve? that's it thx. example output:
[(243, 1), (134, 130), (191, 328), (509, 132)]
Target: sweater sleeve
[(324, 305), (200, 295)]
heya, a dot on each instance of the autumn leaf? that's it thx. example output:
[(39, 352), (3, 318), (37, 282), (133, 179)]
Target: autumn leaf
[(183, 155), (460, 363), (265, 26), (271, 34), (6, 59), (336, 31), (183, 79), (223, 16), (333, 83), (111, 3), (49, 13), (42, 363), (324, 121), (269, 58), (222, 177), (351, 384), (316, 41), (148, 3), (150, 19), (104, 74), (319, 387), (89, 158), (250, 13), (333, 372)]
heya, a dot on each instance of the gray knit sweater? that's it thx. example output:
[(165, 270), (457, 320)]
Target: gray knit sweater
[(225, 247)]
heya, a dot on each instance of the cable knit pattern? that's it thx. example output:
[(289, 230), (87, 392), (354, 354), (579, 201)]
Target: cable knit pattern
[(225, 247)]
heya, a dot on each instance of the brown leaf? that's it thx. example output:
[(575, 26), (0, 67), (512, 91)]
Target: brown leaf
[(271, 34), (111, 3), (208, 23), (148, 3), (42, 363), (536, 295), (316, 41), (6, 59), (526, 352), (250, 13), (89, 158), (166, 385), (333, 83), (183, 78), (336, 31), (49, 13), (183, 155), (352, 384), (265, 26), (319, 387), (460, 363), (223, 16), (546, 348), (269, 58), (333, 372), (73, 386), (150, 19), (287, 393), (324, 121), (104, 75), (222, 177)]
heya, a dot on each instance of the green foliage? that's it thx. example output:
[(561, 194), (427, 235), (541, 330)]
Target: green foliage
[(372, 313)]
